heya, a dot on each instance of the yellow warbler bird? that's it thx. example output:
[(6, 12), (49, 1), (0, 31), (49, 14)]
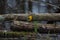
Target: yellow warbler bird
[(30, 18)]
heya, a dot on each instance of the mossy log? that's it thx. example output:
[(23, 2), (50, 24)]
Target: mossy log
[(35, 17), (17, 34), (30, 27)]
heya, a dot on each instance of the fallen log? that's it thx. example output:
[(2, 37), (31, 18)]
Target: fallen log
[(35, 17), (29, 27)]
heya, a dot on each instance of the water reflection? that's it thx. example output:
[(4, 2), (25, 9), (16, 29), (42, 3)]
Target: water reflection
[(42, 37), (7, 25), (37, 7)]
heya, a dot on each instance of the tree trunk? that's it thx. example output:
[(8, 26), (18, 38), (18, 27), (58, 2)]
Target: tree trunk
[(21, 6), (2, 6), (30, 6)]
